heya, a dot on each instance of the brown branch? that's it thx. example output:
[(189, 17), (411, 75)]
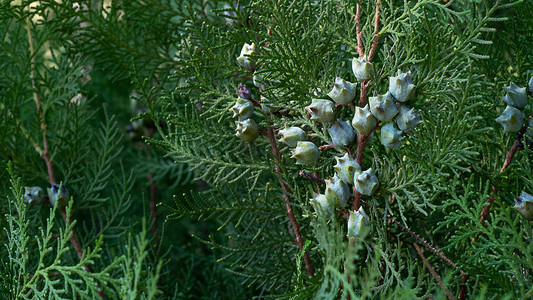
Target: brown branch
[(361, 139), (287, 198), (517, 145), (306, 175), (435, 275), (375, 42), (360, 48), (326, 146), (416, 237), (46, 154), (153, 196)]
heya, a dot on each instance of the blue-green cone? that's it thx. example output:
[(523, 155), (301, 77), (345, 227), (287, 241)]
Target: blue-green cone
[(524, 205), (511, 119)]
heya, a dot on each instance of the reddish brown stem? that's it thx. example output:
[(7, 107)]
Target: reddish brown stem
[(360, 48), (432, 271), (486, 209), (375, 42), (46, 154), (153, 195), (326, 146), (287, 198)]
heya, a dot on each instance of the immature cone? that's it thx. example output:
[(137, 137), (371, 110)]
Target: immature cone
[(258, 81), (231, 14), (511, 119), (266, 107), (341, 133), (292, 135), (516, 96), (33, 195), (346, 167), (305, 153), (365, 182), (243, 109), (358, 219), (391, 137), (243, 60), (337, 191), (321, 110), (524, 205), (247, 130), (401, 87), (363, 120), (361, 68), (383, 107), (343, 91), (322, 205), (407, 119), (58, 195), (531, 85)]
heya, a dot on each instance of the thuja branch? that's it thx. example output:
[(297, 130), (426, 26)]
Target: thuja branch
[(426, 244), (360, 48), (287, 198), (517, 145), (46, 154), (432, 271), (362, 139)]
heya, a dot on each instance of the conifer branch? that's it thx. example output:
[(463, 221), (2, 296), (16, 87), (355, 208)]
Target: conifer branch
[(517, 145), (361, 139), (426, 244), (375, 42), (287, 198), (46, 154), (360, 47), (153, 196), (432, 271)]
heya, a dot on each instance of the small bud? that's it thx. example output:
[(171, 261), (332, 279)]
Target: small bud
[(401, 87), (247, 130), (358, 219), (365, 182), (383, 107), (244, 92), (361, 68), (57, 195), (243, 109), (292, 135), (230, 13), (33, 195), (407, 119), (305, 153), (258, 80), (337, 191), (391, 137), (323, 207), (341, 133), (524, 205), (516, 96), (244, 60), (135, 130), (363, 120), (343, 91), (511, 119), (266, 107), (321, 110), (346, 167)]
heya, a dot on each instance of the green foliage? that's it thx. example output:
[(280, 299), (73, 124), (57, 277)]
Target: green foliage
[(127, 104)]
